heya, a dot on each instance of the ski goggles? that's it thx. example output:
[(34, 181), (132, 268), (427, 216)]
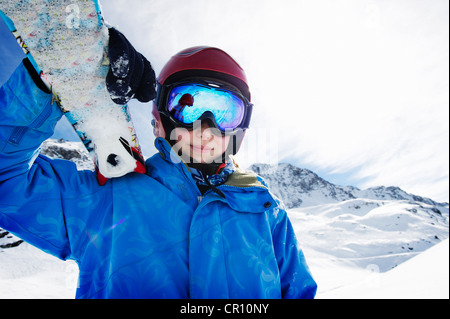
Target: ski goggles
[(188, 102)]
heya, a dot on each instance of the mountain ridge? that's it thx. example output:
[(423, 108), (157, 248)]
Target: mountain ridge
[(294, 186)]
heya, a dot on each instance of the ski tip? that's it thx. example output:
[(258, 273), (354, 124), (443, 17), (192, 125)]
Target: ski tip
[(101, 179), (140, 168)]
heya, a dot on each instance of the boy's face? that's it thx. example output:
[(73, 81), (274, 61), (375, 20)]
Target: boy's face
[(203, 144)]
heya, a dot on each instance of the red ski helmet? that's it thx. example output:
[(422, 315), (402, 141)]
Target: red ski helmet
[(203, 61)]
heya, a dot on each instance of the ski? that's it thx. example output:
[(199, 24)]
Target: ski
[(67, 43)]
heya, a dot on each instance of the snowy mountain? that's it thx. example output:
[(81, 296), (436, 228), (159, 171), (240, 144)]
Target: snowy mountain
[(353, 239), (298, 187), (72, 151)]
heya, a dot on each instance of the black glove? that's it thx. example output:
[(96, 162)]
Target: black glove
[(130, 74)]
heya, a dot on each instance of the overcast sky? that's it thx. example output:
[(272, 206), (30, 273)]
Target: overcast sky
[(356, 91)]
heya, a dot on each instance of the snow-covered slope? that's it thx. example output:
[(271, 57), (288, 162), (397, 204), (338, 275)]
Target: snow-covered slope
[(425, 276), (353, 239), (364, 232), (26, 272)]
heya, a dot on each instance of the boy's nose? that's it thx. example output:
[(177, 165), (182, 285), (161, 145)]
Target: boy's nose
[(204, 131)]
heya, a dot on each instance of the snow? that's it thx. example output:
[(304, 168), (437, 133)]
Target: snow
[(28, 273), (365, 248), (426, 276), (386, 236)]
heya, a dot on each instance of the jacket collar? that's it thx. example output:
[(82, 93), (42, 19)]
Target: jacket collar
[(167, 153), (258, 199)]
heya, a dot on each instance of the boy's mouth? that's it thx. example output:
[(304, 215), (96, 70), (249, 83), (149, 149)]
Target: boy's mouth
[(201, 148)]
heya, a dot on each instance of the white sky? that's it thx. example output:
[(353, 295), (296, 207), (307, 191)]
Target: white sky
[(357, 91)]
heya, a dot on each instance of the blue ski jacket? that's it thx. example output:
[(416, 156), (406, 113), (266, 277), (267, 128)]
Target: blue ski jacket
[(142, 236)]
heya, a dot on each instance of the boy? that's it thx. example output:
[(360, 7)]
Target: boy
[(194, 226)]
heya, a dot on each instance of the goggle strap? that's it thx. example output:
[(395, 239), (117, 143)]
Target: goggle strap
[(248, 115)]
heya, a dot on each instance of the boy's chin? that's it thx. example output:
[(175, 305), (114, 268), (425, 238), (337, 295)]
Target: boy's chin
[(198, 159), (206, 160)]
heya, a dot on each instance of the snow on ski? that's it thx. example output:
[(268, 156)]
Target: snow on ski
[(66, 41)]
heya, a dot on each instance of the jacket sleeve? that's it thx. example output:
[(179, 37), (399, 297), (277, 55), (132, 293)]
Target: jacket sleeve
[(296, 279), (44, 202)]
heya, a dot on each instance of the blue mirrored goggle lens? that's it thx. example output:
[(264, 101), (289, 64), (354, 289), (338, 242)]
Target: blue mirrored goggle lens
[(188, 102)]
